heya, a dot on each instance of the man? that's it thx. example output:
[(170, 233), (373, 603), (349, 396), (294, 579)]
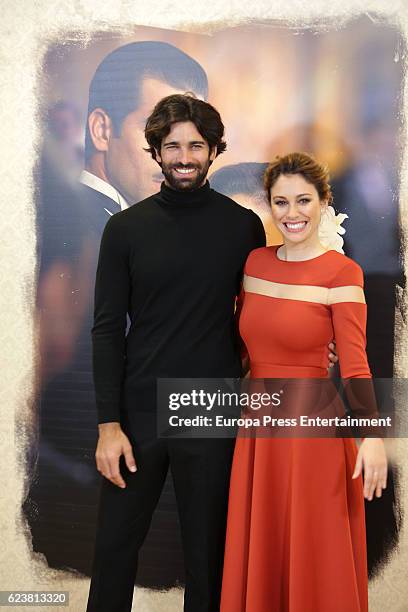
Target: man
[(182, 288), (63, 497), (179, 287)]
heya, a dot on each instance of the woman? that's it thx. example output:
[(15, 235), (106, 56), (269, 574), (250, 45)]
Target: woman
[(296, 529)]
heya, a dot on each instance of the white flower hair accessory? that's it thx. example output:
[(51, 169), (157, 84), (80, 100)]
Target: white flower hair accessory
[(331, 230)]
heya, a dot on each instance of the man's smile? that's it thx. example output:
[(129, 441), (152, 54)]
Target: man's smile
[(184, 171)]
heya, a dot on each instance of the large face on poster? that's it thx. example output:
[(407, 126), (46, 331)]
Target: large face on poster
[(330, 93)]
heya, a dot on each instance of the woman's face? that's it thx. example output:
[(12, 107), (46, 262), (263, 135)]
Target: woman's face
[(296, 208)]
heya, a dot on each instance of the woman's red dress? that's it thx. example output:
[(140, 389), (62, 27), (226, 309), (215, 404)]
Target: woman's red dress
[(296, 530)]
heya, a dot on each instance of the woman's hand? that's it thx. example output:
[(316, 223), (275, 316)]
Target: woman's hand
[(372, 458)]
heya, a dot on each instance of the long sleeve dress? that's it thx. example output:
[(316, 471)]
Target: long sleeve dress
[(296, 527)]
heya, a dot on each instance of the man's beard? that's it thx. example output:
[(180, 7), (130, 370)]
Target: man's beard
[(187, 183)]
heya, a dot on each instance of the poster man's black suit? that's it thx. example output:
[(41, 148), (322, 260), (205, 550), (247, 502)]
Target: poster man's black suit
[(62, 502)]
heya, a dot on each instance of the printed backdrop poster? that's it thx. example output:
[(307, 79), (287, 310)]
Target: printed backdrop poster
[(331, 84)]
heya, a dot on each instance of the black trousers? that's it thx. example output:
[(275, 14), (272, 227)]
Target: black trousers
[(201, 473)]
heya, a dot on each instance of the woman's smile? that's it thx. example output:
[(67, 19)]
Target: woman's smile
[(295, 226)]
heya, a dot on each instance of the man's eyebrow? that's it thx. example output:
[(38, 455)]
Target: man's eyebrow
[(176, 142)]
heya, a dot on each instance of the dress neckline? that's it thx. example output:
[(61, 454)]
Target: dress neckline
[(300, 261)]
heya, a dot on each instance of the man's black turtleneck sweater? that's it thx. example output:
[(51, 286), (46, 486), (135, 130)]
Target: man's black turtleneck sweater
[(174, 263)]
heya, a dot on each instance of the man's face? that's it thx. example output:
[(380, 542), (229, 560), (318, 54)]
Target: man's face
[(185, 157), (128, 167)]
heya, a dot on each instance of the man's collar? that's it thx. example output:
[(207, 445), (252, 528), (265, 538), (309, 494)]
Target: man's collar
[(94, 182), (185, 197)]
